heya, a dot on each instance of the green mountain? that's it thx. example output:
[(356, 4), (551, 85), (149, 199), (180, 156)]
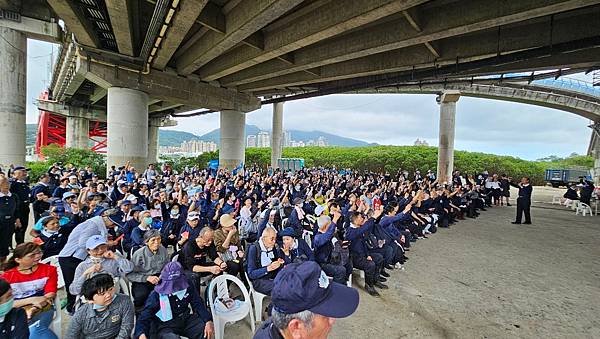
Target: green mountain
[(305, 136), (175, 138)]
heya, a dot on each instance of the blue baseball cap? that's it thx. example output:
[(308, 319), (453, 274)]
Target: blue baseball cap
[(287, 232), (95, 241), (304, 286)]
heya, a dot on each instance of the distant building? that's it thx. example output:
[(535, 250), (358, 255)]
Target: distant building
[(321, 141), (198, 146), (421, 142), (263, 139), (251, 141), (287, 139)]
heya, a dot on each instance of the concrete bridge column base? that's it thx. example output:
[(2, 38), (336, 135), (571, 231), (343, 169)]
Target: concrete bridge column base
[(232, 150), (445, 165), (127, 127), (78, 132), (13, 91), (277, 134)]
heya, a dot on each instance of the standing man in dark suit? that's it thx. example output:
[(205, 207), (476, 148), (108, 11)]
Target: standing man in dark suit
[(523, 201), (20, 187)]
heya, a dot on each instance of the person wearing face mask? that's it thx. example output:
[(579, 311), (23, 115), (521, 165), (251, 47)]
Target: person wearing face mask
[(148, 262), (13, 321), (34, 286), (75, 250), (128, 227), (52, 237), (190, 230), (172, 227), (137, 234), (108, 314), (100, 259)]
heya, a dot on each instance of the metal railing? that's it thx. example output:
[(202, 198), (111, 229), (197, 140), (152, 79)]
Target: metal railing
[(570, 84)]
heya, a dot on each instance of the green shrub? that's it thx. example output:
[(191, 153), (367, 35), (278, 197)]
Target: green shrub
[(373, 158)]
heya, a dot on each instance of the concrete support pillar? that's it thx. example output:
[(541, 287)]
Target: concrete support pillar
[(277, 134), (13, 91), (232, 148), (597, 166), (127, 127), (445, 165), (78, 132), (152, 143)]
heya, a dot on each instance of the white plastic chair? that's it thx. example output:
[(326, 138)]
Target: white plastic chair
[(360, 272), (584, 209), (56, 324), (556, 199), (53, 260), (307, 236), (218, 287), (257, 299)]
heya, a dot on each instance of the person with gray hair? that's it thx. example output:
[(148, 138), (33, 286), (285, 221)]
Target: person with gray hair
[(306, 304), (148, 261), (329, 251), (264, 261)]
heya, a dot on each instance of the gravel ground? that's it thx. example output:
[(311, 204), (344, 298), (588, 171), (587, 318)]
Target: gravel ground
[(487, 278)]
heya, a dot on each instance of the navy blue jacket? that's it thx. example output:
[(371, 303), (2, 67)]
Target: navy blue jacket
[(15, 325), (356, 236), (302, 250), (388, 223), (255, 269), (178, 308), (322, 244)]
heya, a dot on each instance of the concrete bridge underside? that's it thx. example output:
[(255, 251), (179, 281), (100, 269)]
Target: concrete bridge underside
[(160, 58), (576, 103)]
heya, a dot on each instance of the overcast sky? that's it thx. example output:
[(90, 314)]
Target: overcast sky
[(482, 125)]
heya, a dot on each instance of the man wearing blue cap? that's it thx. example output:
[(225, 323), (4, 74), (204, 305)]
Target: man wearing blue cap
[(306, 304)]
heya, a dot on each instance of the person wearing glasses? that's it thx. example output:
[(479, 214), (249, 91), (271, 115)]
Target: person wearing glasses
[(107, 314), (34, 287)]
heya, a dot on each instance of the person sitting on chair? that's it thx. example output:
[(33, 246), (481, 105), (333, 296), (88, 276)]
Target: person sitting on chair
[(148, 261), (264, 261), (100, 259), (174, 309)]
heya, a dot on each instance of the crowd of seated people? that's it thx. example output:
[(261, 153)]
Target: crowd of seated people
[(168, 233)]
